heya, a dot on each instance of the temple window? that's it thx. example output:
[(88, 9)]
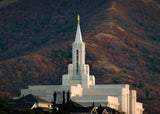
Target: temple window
[(77, 62)]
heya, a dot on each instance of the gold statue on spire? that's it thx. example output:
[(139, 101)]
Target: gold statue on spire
[(78, 19)]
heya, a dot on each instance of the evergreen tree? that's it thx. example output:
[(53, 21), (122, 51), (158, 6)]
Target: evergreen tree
[(55, 98), (63, 102), (93, 104), (68, 96)]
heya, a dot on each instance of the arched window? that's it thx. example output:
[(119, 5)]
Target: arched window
[(77, 62)]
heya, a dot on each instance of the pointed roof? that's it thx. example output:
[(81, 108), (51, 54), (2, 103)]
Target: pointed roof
[(78, 38), (25, 102)]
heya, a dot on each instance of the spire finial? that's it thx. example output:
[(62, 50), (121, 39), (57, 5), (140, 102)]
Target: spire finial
[(78, 18), (78, 33)]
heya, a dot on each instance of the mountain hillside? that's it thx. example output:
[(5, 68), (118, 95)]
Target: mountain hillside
[(122, 40)]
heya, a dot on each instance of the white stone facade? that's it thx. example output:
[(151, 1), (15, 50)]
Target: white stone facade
[(82, 86)]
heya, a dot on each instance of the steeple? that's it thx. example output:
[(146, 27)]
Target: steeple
[(78, 71), (78, 38)]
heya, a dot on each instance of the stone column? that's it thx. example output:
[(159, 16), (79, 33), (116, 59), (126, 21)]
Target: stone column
[(133, 102)]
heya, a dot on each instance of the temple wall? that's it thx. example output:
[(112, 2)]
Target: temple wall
[(139, 108), (133, 102), (102, 90), (113, 102), (46, 91), (109, 101), (120, 91), (76, 90)]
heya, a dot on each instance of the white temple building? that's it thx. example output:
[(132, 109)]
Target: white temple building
[(82, 87)]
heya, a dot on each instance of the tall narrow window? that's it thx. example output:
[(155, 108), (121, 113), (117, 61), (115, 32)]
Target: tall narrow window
[(77, 62)]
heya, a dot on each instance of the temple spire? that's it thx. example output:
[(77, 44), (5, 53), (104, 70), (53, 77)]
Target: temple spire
[(78, 38)]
